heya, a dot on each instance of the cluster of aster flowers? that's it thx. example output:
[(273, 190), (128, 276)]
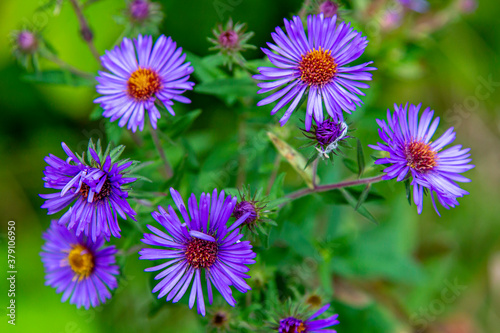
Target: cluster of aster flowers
[(199, 246)]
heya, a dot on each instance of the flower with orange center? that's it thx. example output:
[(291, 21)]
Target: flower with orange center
[(412, 155), (313, 63), (317, 67), (142, 76), (143, 84)]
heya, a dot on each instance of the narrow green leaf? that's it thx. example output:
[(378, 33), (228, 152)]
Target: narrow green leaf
[(353, 202), (350, 164), (363, 196), (408, 190), (361, 158)]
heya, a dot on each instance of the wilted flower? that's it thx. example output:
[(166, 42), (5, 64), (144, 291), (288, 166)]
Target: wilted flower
[(142, 76), (200, 244), (315, 66), (230, 40), (82, 269), (327, 136), (412, 154), (95, 192)]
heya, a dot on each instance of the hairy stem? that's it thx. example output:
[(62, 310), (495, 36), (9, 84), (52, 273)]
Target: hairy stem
[(329, 187), (85, 30)]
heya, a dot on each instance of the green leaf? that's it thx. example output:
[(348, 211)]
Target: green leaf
[(228, 88), (181, 124), (353, 202), (361, 158), (350, 164), (363, 196), (113, 132), (60, 77), (408, 190), (206, 69), (96, 113)]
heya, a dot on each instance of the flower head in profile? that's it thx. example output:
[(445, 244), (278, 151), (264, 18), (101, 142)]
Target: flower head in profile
[(327, 137), (83, 270), (95, 192), (407, 140), (315, 65), (141, 77), (199, 246), (26, 45), (257, 208), (230, 40), (297, 323)]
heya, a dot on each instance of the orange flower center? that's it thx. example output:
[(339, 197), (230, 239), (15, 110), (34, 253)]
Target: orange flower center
[(81, 261), (317, 67), (143, 84), (420, 156)]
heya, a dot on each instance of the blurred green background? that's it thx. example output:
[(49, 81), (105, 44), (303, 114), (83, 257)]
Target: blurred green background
[(402, 267)]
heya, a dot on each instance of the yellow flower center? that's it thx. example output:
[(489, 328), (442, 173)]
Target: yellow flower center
[(317, 67), (143, 84), (81, 261), (420, 156)]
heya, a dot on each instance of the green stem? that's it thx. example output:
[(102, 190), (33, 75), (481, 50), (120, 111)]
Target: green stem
[(160, 150)]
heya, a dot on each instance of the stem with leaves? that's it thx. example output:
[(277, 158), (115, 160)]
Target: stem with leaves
[(85, 30)]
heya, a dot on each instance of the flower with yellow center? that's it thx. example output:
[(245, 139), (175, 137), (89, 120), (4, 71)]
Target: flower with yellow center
[(81, 261)]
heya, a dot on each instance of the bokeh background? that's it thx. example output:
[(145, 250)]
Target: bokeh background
[(391, 277)]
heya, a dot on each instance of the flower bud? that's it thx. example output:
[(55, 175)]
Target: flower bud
[(27, 41)]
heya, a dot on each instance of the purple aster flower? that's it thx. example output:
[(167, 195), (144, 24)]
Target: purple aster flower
[(142, 75), (200, 243), (296, 325), (407, 140), (415, 5), (83, 270), (315, 65), (95, 191)]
